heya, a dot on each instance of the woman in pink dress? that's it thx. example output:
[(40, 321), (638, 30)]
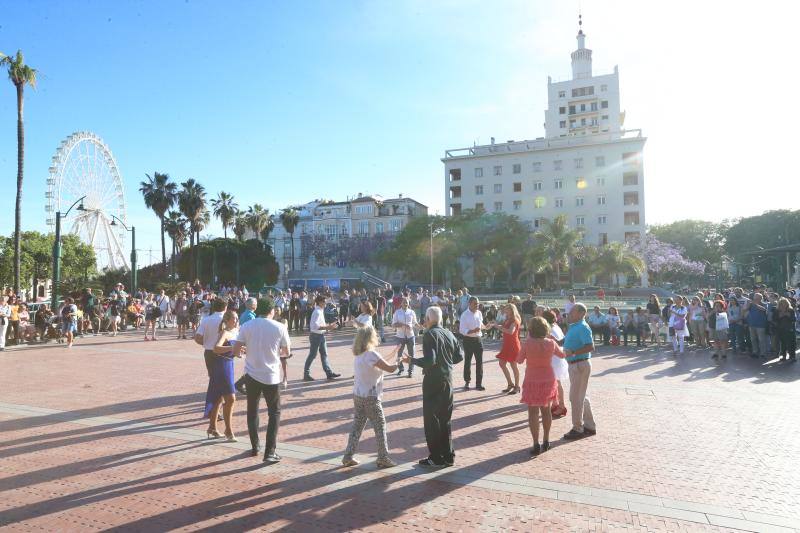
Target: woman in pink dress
[(511, 346), (539, 389)]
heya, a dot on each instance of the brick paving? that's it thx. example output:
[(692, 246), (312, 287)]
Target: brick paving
[(682, 444)]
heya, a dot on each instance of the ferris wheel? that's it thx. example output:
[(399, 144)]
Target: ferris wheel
[(84, 166)]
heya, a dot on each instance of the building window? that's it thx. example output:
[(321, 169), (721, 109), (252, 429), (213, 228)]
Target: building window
[(594, 106), (631, 218), (479, 189), (583, 122), (601, 181), (498, 170), (604, 117), (379, 225), (580, 183), (579, 162), (498, 188), (539, 202), (537, 185), (601, 200), (632, 237), (558, 184), (559, 202), (562, 124), (498, 206), (583, 108), (572, 110), (363, 227), (455, 192), (630, 178), (397, 225), (517, 205), (455, 210), (579, 201), (537, 223), (572, 123), (557, 164), (603, 88), (455, 174), (602, 239), (479, 172), (562, 110), (562, 94), (604, 104), (517, 168), (479, 206), (537, 166), (580, 221), (518, 186), (600, 161), (631, 158), (593, 122), (630, 198), (602, 219), (582, 91)]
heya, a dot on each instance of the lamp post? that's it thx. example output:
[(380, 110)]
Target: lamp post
[(134, 273), (57, 253)]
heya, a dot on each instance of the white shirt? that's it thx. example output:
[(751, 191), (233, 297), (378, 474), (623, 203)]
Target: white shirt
[(722, 321), (318, 321), (568, 307), (264, 339), (407, 317), (209, 329), (363, 320), (367, 378), (555, 331), (163, 303), (470, 320)]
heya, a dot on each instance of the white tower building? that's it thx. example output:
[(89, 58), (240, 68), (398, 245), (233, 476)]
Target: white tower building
[(586, 167)]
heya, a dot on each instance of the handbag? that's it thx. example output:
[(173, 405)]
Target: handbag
[(156, 312), (679, 323)]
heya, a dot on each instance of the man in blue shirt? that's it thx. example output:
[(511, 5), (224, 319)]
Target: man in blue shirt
[(249, 312), (756, 313), (578, 347)]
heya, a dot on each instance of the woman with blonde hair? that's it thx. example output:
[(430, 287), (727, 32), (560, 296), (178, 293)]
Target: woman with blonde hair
[(365, 317), (220, 385), (368, 369), (510, 350)]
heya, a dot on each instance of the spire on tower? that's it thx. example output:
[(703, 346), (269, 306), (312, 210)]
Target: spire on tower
[(580, 23)]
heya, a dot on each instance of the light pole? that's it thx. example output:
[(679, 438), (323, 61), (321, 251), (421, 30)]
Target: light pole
[(57, 254), (134, 273)]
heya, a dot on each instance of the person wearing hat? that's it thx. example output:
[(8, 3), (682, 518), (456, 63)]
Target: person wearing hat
[(266, 340)]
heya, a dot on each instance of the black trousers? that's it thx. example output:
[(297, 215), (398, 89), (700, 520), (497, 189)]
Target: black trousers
[(631, 331), (603, 331), (437, 410), (788, 343), (473, 347), (272, 395), (294, 321)]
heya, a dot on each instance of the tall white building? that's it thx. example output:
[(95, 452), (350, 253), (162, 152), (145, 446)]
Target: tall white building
[(586, 167)]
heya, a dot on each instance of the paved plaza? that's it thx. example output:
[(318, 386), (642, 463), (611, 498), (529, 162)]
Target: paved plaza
[(108, 435)]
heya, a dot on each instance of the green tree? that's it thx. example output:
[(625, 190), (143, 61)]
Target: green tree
[(290, 218), (225, 209), (535, 260), (699, 239), (192, 204), (176, 227), (160, 195), (259, 220), (615, 258), (239, 225), (20, 75), (768, 230), (559, 241)]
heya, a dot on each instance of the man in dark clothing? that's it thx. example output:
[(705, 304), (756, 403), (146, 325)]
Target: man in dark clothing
[(294, 312), (440, 351)]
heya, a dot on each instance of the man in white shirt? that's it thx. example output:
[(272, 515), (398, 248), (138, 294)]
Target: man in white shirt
[(318, 329), (570, 304), (266, 341), (405, 320), (162, 300), (471, 328), (207, 332)]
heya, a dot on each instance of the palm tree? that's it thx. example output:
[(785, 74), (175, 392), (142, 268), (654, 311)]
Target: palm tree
[(225, 209), (615, 257), (290, 218), (192, 204), (259, 221), (175, 226), (559, 241), (160, 195), (20, 75), (534, 261), (240, 225)]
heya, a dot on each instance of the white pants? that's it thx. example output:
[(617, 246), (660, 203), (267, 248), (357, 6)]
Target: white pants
[(3, 329)]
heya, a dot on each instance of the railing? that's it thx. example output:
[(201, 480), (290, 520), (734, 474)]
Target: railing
[(373, 280)]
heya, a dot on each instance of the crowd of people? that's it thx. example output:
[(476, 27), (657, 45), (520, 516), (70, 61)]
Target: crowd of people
[(555, 345)]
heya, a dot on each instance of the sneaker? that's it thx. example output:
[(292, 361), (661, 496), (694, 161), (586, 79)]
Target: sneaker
[(480, 387), (536, 450), (385, 463), (308, 377), (333, 375), (466, 386), (400, 370), (349, 461), (272, 458), (589, 432), (545, 445), (431, 463)]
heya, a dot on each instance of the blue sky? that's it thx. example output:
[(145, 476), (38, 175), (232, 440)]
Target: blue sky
[(283, 102)]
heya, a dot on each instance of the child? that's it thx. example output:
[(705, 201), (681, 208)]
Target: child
[(539, 389), (613, 325), (719, 324), (368, 369)]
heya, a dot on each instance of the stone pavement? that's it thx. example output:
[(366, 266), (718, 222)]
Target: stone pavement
[(108, 435)]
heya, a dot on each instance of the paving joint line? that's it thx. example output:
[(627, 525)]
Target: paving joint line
[(607, 498)]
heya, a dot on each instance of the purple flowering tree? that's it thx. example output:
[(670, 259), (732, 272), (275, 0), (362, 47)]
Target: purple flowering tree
[(666, 262)]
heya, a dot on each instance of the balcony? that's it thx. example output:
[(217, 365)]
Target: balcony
[(632, 218), (630, 198), (455, 174), (455, 192)]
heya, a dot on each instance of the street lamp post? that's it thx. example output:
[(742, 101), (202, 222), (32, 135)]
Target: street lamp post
[(57, 254), (134, 273), (431, 226)]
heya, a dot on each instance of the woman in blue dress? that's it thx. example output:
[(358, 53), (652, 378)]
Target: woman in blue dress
[(221, 391)]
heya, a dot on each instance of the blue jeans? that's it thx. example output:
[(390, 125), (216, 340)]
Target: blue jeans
[(317, 344), (408, 344), (736, 336)]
